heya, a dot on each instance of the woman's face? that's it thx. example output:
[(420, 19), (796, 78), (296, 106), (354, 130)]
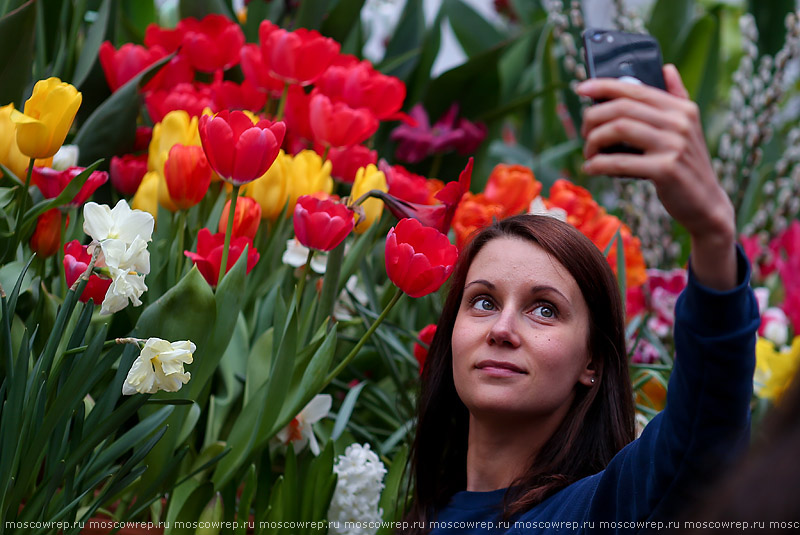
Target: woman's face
[(520, 336)]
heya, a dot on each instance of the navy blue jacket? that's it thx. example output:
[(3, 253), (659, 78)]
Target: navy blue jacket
[(705, 424)]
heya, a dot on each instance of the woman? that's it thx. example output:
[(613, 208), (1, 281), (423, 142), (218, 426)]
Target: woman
[(525, 417)]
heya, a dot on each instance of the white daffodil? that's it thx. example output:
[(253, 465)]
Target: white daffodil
[(66, 157), (129, 257), (537, 207), (125, 286), (299, 431), (118, 223), (159, 367), (296, 255)]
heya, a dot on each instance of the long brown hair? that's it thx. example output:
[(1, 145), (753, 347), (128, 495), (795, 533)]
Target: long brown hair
[(600, 420)]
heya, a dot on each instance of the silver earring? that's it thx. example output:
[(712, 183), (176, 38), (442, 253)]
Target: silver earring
[(592, 380)]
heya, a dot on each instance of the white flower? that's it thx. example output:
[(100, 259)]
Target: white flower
[(762, 298), (120, 223), (344, 307), (775, 326), (125, 286), (159, 367), (537, 207), (129, 257), (66, 157), (358, 490), (296, 255), (299, 431)]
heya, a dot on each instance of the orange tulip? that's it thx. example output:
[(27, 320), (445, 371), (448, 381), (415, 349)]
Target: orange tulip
[(473, 213), (601, 230), (245, 220), (577, 201), (513, 187), (188, 175)]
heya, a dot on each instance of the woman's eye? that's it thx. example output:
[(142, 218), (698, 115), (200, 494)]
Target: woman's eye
[(545, 311), (482, 303)]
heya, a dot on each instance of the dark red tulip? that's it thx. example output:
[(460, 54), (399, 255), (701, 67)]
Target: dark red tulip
[(127, 172)]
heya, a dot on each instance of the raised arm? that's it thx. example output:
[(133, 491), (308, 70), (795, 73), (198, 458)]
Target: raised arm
[(666, 126)]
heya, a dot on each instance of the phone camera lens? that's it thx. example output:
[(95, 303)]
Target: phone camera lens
[(597, 37)]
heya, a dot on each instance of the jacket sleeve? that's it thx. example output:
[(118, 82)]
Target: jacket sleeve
[(706, 422)]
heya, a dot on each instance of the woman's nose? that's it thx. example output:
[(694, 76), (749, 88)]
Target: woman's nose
[(504, 330)]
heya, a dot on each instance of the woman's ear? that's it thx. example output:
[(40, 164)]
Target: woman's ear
[(591, 373)]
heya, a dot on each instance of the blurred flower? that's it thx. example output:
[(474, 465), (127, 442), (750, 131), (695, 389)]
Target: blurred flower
[(436, 216), (169, 40), (144, 134), (662, 290), (256, 71), (426, 337), (406, 185), (473, 213), (46, 238), (48, 116), (270, 190), (308, 175), (346, 161), (359, 85), (321, 224), (418, 140), (177, 127), (337, 124), (297, 57), (245, 220), (208, 257), (76, 260), (127, 172), (189, 97), (187, 174), (66, 157), (513, 187), (238, 150), (159, 367), (358, 490), (576, 201), (120, 66), (774, 326), (229, 95), (296, 255), (51, 182), (212, 43), (418, 259), (775, 369), (299, 431), (146, 197), (538, 207), (296, 115), (368, 178)]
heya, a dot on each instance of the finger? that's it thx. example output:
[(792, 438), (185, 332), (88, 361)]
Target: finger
[(627, 165), (604, 112), (610, 88), (628, 131), (674, 82)]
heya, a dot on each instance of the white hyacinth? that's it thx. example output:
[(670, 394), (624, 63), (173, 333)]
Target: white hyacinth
[(358, 490)]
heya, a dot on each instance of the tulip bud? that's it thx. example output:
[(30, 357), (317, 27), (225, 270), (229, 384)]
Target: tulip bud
[(188, 175), (127, 172), (245, 220), (419, 259), (321, 224), (46, 238), (208, 257)]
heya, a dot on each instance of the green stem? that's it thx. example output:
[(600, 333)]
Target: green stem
[(23, 195), (350, 356), (61, 269), (231, 214), (302, 282), (181, 233), (282, 103), (325, 153)]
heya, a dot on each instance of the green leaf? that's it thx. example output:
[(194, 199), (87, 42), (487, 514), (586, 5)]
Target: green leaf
[(310, 14), (16, 41), (200, 8), (341, 19), (668, 23), (346, 410), (111, 128), (699, 61), (473, 31), (246, 499), (258, 364), (406, 43), (392, 501), (192, 509), (770, 23), (91, 45), (232, 366)]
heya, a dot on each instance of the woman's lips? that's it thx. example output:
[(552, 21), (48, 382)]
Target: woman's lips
[(499, 368)]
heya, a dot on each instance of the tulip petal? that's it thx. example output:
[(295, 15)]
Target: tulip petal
[(250, 150), (218, 142)]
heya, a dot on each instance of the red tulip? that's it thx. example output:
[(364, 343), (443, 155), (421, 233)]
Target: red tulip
[(297, 57), (337, 124), (405, 185), (169, 40), (321, 224), (121, 65), (346, 161), (46, 238), (208, 257), (51, 182), (193, 98), (238, 150), (256, 70), (296, 113), (178, 70), (212, 43), (143, 136), (187, 174), (245, 220), (359, 85), (418, 258), (229, 95), (426, 337), (76, 260), (127, 172)]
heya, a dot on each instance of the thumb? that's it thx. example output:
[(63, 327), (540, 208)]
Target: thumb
[(672, 78)]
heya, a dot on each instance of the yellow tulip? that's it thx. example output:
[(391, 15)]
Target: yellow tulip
[(176, 127), (48, 116), (775, 369), (10, 156), (271, 190), (368, 178), (307, 175), (146, 197)]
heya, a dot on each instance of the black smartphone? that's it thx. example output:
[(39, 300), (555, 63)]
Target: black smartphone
[(633, 57)]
